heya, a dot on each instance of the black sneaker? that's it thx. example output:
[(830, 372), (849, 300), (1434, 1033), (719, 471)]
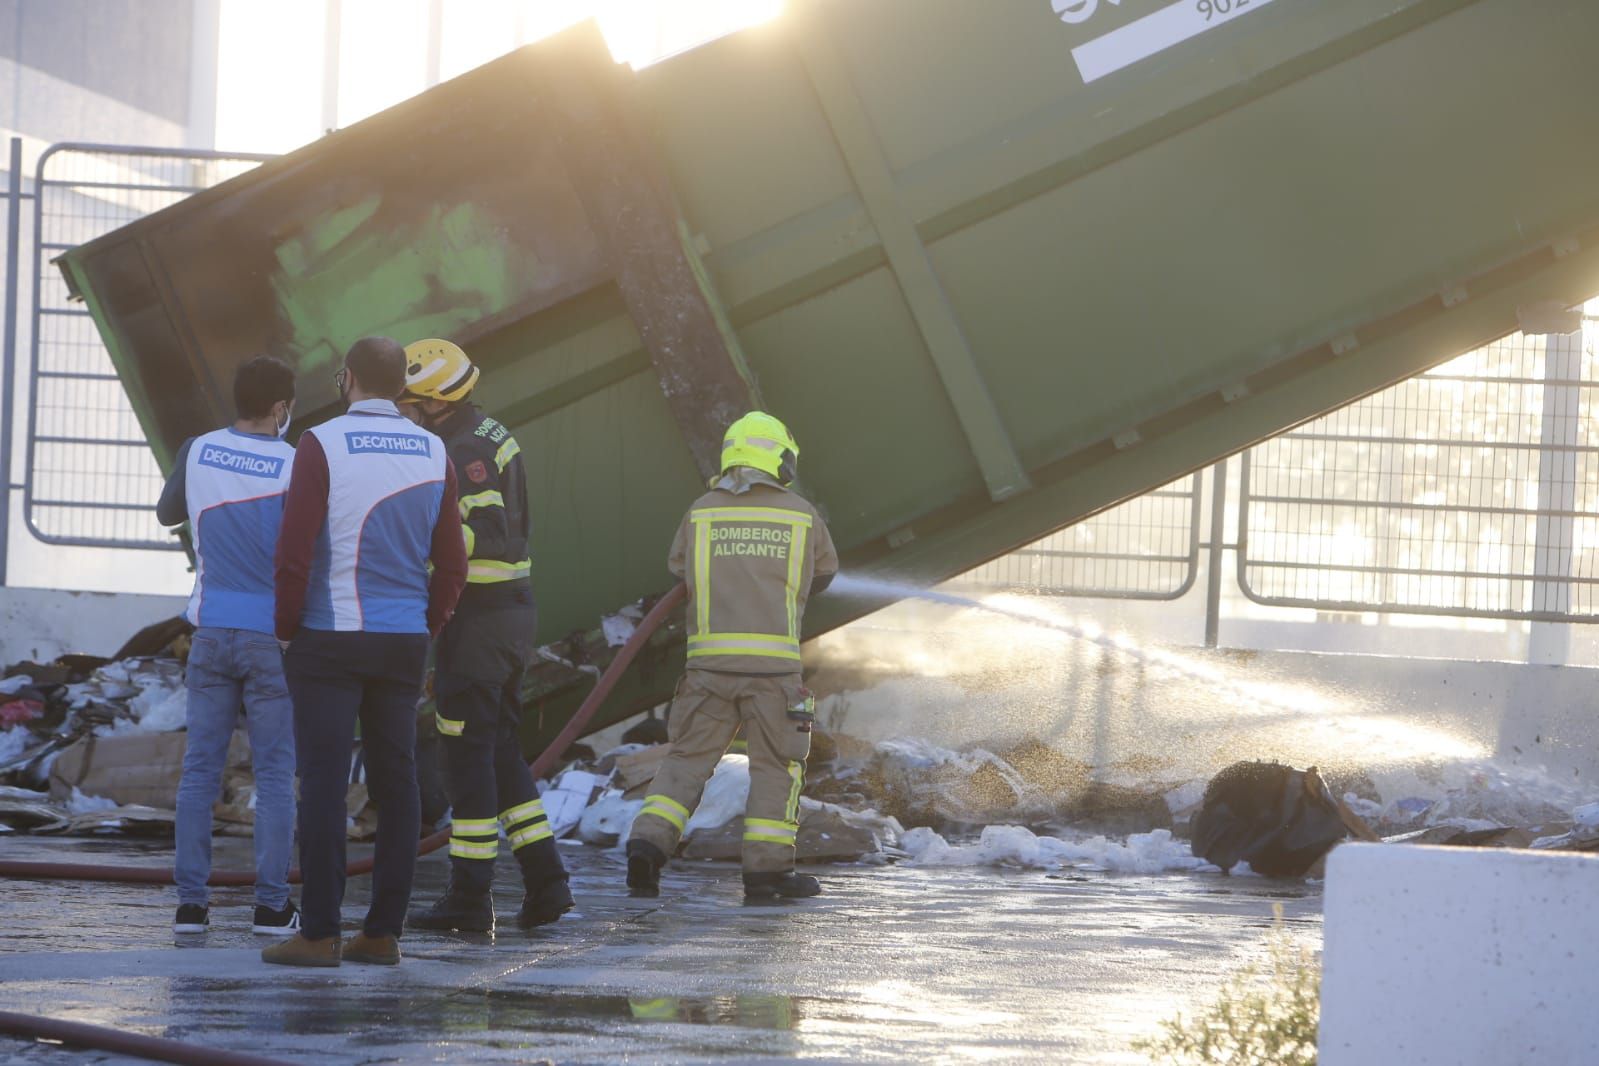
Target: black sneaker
[(269, 922), (192, 918)]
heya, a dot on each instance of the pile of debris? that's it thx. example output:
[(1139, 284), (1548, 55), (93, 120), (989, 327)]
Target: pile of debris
[(95, 745), (596, 800)]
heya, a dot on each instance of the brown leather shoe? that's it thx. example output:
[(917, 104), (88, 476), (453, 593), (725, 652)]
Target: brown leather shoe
[(298, 951), (374, 950)]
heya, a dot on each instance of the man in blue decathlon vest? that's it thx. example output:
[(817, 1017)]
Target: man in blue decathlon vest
[(371, 503), (229, 486)]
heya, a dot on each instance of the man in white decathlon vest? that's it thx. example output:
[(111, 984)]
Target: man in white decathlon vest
[(371, 503), (229, 486)]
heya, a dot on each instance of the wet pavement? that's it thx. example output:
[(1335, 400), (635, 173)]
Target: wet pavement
[(894, 964)]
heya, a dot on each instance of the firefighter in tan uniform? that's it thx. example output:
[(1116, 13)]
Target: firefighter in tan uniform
[(752, 552)]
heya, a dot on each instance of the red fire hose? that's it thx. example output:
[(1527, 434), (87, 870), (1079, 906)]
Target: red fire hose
[(154, 1048), (161, 875)]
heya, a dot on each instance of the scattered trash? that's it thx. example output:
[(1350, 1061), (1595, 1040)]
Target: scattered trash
[(1279, 820)]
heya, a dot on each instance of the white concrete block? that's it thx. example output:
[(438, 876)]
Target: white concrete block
[(1460, 957)]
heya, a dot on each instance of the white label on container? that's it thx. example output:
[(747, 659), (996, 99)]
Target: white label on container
[(1156, 32)]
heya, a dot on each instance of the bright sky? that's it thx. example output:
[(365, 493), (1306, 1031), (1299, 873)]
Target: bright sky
[(269, 85)]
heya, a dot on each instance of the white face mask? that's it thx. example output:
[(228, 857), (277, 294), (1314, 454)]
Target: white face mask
[(288, 416)]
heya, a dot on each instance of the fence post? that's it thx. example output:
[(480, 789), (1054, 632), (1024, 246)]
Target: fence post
[(1550, 642), (1218, 533), (8, 361)]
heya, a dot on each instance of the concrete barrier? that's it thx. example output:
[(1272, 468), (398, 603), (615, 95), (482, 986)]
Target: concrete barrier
[(1460, 957)]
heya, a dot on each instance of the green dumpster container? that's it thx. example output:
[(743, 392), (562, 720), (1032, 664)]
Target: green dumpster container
[(1000, 265)]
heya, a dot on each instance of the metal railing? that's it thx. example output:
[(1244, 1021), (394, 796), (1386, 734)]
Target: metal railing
[(90, 478), (1144, 549), (1469, 490)]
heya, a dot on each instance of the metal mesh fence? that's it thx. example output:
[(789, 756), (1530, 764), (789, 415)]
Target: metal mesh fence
[(1146, 548), (90, 477), (1472, 489)]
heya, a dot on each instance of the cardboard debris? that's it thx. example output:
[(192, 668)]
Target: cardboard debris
[(635, 770), (144, 768), (22, 808), (133, 820)]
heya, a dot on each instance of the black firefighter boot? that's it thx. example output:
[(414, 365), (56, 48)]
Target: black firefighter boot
[(463, 907), (548, 895), (644, 862), (788, 885)]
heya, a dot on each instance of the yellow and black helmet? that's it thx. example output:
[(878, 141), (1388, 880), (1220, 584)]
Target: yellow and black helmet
[(437, 370)]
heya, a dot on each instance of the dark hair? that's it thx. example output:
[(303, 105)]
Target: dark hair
[(378, 364), (261, 382)]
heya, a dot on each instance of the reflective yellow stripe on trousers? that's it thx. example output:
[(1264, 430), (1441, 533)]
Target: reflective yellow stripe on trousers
[(667, 809), (475, 838), (769, 831)]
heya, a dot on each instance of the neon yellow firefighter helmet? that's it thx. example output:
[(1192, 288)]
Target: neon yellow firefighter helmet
[(437, 370), (758, 440)]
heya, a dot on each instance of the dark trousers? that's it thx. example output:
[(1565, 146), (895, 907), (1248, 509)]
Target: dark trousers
[(482, 657), (335, 680)]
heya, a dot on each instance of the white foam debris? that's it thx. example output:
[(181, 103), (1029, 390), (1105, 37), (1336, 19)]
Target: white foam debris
[(1587, 816), (565, 802), (13, 742), (726, 794), (78, 803), (10, 686), (1015, 845), (160, 707), (608, 819)]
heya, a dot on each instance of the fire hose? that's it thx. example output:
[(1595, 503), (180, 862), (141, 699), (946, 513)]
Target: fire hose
[(162, 875)]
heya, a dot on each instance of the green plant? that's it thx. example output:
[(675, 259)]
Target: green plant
[(1262, 1017)]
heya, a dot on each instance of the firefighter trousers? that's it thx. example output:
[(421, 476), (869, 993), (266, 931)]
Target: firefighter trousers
[(482, 656), (707, 710)]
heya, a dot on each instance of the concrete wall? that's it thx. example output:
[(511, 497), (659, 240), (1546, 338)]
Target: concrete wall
[(1459, 957), (40, 624)]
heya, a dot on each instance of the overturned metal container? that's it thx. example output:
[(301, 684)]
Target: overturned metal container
[(999, 266)]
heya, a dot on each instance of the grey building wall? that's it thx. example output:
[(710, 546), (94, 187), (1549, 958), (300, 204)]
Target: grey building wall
[(115, 71)]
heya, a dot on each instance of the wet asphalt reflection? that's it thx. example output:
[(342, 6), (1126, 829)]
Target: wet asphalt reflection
[(893, 964)]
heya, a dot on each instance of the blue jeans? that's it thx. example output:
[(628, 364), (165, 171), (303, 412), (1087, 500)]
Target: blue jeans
[(230, 670)]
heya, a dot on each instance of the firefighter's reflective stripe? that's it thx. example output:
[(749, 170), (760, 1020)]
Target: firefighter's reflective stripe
[(490, 498), (508, 451), (702, 573), (475, 838), (522, 812), (796, 773), (796, 567), (490, 571), (526, 824), (657, 1010), (769, 831), (471, 541), (467, 849), (530, 834), (750, 514), (764, 644), (447, 726), (667, 809)]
